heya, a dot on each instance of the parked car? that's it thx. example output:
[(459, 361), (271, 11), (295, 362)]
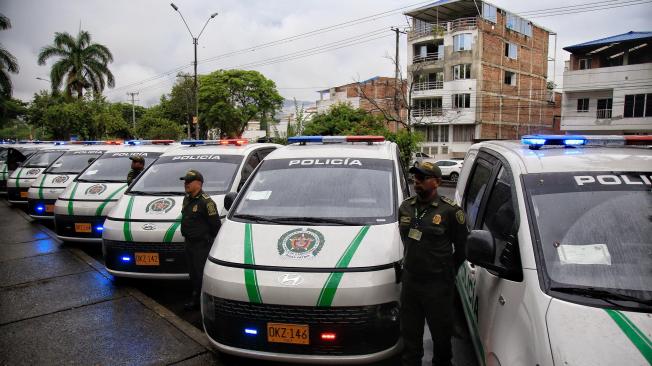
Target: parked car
[(420, 157), (450, 168)]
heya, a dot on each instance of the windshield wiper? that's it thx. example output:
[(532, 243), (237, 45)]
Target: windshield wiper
[(51, 172), (601, 294), (143, 193), (317, 220), (256, 218), (101, 180)]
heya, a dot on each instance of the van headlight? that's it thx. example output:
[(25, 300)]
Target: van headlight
[(388, 313)]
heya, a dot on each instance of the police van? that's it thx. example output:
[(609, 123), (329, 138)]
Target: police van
[(306, 265), (559, 262), (23, 177), (141, 235), (81, 209), (11, 156), (47, 187)]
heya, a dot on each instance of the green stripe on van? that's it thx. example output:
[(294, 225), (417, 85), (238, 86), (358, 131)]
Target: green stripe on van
[(40, 187), (126, 228), (18, 177), (251, 281), (169, 234), (635, 335), (327, 293), (99, 210), (72, 195)]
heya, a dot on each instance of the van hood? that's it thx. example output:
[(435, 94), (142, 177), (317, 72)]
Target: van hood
[(584, 335), (94, 191), (155, 208), (308, 246), (49, 180)]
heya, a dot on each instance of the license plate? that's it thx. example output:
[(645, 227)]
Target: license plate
[(147, 259), (83, 228), (49, 208), (288, 333), (23, 194)]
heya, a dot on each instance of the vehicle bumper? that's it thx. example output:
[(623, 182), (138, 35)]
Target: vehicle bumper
[(66, 230), (154, 276), (172, 259), (17, 195), (33, 210)]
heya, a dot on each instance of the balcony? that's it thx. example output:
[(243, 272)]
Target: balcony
[(431, 56), (438, 29), (428, 85), (427, 112), (603, 113)]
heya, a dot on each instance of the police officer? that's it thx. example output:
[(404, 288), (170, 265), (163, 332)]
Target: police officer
[(200, 223), (137, 166), (434, 234)]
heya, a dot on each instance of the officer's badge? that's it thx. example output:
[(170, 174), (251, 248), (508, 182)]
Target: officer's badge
[(210, 207), (194, 208), (160, 206), (436, 219), (459, 215), (300, 243)]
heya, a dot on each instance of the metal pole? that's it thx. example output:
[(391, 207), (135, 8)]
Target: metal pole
[(196, 93)]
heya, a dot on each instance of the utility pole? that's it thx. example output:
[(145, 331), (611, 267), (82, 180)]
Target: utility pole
[(397, 72), (133, 110)]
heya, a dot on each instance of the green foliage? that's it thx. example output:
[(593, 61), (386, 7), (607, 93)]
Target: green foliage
[(8, 63), (154, 126), (10, 110), (229, 99), (408, 143), (342, 119), (16, 130)]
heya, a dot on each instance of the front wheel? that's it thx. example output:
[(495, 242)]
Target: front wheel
[(454, 177)]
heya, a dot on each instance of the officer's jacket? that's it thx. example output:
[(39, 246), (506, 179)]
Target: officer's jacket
[(443, 232), (132, 175), (199, 217)]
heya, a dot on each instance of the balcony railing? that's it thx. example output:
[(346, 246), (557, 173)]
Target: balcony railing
[(431, 56), (438, 29), (603, 113), (427, 112), (428, 85)]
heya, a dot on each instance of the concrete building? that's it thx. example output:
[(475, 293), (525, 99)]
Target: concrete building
[(374, 95), (477, 72), (607, 86)]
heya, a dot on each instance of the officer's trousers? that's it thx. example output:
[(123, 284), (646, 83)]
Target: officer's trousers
[(430, 300), (196, 255)]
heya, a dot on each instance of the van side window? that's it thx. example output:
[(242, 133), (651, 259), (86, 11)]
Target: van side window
[(476, 190), (500, 219), (250, 165), (405, 187), (262, 153)]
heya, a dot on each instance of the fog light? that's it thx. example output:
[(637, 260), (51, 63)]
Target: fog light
[(125, 258), (40, 208), (251, 331), (99, 228)]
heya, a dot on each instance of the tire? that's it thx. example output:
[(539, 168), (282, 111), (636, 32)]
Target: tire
[(453, 177)]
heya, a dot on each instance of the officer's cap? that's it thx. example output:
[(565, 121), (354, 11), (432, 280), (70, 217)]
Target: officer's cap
[(193, 175), (427, 169), (137, 158)]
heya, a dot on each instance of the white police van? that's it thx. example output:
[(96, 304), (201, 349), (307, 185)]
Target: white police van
[(81, 209), (306, 265), (47, 187), (23, 177), (141, 235), (12, 155), (559, 262)]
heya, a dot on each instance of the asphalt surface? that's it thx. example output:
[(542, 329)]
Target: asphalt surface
[(47, 292)]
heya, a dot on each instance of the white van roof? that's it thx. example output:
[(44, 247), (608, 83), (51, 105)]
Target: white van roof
[(216, 149), (375, 150)]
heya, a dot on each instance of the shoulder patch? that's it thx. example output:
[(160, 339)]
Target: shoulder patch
[(448, 200), (459, 215), (411, 200), (211, 208), (205, 196)]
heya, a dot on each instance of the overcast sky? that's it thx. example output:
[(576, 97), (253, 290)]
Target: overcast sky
[(148, 38)]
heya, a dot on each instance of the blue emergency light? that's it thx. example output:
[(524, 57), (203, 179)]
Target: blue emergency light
[(537, 141), (334, 139), (99, 228), (40, 208), (125, 258), (251, 331)]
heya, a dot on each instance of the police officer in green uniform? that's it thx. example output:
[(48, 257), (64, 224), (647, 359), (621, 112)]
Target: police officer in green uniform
[(137, 166), (433, 232), (200, 223)]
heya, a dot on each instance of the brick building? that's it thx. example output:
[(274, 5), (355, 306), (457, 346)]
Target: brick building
[(477, 71)]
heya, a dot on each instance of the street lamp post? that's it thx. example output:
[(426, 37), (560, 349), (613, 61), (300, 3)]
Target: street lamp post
[(194, 42)]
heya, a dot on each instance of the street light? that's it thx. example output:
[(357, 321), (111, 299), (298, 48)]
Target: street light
[(194, 41)]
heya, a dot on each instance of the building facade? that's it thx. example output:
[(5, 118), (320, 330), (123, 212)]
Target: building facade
[(607, 86), (477, 72)]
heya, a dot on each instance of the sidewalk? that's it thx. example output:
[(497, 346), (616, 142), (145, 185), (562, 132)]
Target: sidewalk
[(59, 306)]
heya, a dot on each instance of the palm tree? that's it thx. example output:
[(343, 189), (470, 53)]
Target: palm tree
[(7, 62), (81, 63)]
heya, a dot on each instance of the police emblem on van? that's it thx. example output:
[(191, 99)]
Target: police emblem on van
[(33, 171), (160, 206), (96, 189), (60, 179), (300, 243)]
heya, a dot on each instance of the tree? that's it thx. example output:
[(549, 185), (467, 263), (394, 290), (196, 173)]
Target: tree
[(179, 105), (81, 64), (8, 63), (154, 126), (342, 119), (229, 99)]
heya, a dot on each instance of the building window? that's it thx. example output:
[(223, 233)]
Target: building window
[(516, 23), (462, 42), (604, 108), (510, 78), (463, 133), (443, 133), (434, 133), (583, 105), (461, 101), (511, 50), (462, 71), (638, 105), (489, 12), (585, 63)]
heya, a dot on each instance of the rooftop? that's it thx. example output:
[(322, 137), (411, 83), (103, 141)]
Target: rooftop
[(625, 37)]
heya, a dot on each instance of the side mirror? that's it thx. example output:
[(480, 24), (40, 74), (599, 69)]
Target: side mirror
[(228, 200), (481, 250)]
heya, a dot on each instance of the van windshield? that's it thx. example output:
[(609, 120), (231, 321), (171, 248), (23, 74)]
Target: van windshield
[(73, 162), (42, 159), (163, 176), (114, 167), (594, 229), (325, 190)]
